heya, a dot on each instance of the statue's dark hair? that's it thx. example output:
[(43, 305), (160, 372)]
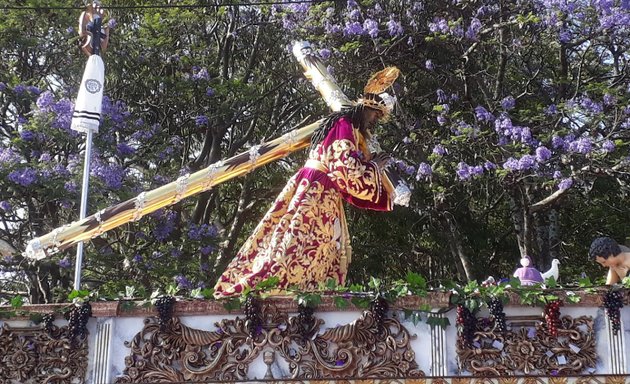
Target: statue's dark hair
[(604, 247), (354, 113)]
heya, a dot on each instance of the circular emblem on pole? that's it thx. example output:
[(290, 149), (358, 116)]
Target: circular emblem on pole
[(92, 85)]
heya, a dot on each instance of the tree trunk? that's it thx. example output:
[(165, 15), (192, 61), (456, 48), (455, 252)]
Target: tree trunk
[(226, 252), (554, 234), (462, 261), (519, 225)]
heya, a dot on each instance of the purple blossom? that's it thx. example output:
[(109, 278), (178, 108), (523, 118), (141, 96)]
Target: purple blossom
[(9, 156), (482, 114), (582, 145), (63, 110), (564, 36), (210, 92), (511, 164), (288, 23), (489, 165), (591, 106), (33, 89), (424, 171), (183, 282), (64, 263), (410, 170), (429, 65), (202, 74), (137, 258), (609, 99), (542, 154), (201, 120), (198, 232), (23, 177), (407, 140), (300, 7), (472, 32), (166, 226), (558, 142), (176, 252), (354, 14), (27, 135), (441, 119), (371, 27), (527, 162), (45, 101), (5, 205), (112, 23), (551, 110), (508, 103), (439, 25), (565, 184), (208, 249), (477, 170), (332, 28), (45, 157), (439, 150), (441, 96), (557, 174), (394, 28), (608, 146), (324, 53), (110, 174), (125, 149), (19, 89), (463, 171), (69, 30), (70, 186), (353, 28)]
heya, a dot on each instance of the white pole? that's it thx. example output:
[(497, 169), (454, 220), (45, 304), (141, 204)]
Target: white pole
[(84, 203)]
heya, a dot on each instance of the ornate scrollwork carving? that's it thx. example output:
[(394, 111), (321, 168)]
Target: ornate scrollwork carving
[(33, 355), (181, 353), (532, 350)]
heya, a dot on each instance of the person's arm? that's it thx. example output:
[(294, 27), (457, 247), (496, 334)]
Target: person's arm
[(612, 277), (359, 181)]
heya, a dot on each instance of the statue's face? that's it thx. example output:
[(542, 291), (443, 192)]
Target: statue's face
[(371, 117), (611, 261)]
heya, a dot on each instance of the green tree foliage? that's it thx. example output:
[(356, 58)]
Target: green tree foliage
[(512, 128)]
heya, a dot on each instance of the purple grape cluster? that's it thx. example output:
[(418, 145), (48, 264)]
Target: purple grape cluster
[(552, 317), (467, 325), (613, 302), (252, 311), (77, 320), (47, 321), (495, 305), (164, 305), (306, 320), (378, 309)]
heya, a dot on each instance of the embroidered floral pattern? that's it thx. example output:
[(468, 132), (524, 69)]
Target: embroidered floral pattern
[(303, 238)]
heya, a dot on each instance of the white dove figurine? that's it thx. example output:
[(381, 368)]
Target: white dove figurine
[(553, 271)]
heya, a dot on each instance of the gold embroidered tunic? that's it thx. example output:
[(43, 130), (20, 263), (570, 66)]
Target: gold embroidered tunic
[(303, 238)]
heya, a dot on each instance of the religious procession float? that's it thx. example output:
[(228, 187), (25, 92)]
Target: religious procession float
[(282, 311)]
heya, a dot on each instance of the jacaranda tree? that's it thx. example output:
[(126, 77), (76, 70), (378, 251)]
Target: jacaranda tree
[(512, 127)]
